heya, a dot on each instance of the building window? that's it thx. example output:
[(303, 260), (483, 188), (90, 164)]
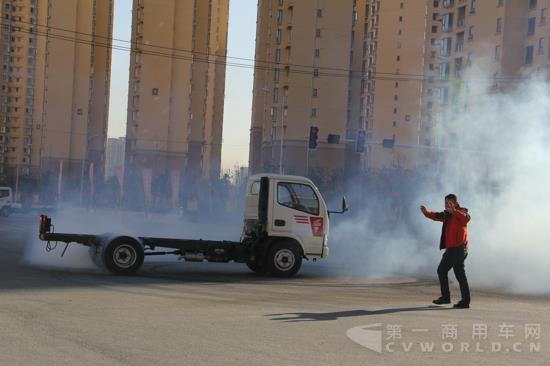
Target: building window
[(500, 3), (317, 52), (446, 46), (532, 4), (280, 16), (434, 29), (315, 92), (276, 74), (278, 55), (531, 26), (313, 112), (528, 55), (499, 25), (497, 53), (541, 46), (279, 35), (443, 95), (471, 31), (447, 22), (275, 95), (316, 72), (444, 71), (273, 113), (543, 16), (473, 6), (318, 32), (319, 13)]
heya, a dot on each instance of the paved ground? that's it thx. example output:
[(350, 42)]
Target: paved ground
[(204, 314)]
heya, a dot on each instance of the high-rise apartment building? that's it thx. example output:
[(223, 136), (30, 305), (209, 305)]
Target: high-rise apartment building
[(301, 82), (393, 49), (54, 93), (176, 91)]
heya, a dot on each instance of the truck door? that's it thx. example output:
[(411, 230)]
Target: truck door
[(296, 212)]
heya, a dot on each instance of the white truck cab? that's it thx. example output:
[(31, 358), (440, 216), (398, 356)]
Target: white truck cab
[(295, 210), (6, 201)]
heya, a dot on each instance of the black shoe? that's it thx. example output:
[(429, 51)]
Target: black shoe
[(441, 301), (461, 305)]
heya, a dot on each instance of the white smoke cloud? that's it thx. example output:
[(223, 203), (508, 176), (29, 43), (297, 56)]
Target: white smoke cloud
[(498, 162)]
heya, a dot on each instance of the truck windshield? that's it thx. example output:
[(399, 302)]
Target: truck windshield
[(298, 197), (4, 193)]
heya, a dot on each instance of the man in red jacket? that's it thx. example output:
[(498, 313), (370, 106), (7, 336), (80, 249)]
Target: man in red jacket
[(454, 239)]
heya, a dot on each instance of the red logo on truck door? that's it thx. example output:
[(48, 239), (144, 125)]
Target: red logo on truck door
[(317, 226)]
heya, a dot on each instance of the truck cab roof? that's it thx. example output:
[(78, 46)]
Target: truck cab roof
[(296, 178)]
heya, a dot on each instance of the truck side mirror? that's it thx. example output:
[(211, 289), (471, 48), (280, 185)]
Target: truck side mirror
[(344, 204), (344, 207)]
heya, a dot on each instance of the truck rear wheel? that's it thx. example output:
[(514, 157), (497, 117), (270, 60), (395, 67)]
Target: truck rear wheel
[(284, 259), (123, 256), (6, 211)]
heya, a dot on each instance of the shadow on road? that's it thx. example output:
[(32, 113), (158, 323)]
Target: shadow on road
[(301, 317)]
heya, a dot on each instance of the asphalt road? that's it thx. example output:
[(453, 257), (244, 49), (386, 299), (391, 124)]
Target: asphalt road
[(203, 314)]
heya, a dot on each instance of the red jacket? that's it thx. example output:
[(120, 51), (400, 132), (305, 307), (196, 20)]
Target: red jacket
[(455, 227)]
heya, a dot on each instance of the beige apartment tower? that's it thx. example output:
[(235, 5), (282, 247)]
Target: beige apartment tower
[(301, 81), (346, 67), (393, 57), (55, 74), (176, 92)]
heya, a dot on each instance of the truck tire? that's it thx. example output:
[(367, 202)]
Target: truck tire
[(6, 211), (284, 259), (123, 256)]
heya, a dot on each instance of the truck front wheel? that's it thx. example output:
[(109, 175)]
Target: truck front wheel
[(123, 256), (284, 259)]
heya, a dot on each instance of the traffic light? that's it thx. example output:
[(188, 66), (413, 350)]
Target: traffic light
[(388, 143), (313, 132), (361, 139)]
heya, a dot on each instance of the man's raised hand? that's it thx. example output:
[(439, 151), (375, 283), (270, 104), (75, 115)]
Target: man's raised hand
[(423, 209)]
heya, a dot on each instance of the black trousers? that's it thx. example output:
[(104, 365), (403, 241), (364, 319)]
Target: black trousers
[(454, 258)]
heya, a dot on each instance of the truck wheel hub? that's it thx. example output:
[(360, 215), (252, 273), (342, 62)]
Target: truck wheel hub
[(284, 259), (124, 256)]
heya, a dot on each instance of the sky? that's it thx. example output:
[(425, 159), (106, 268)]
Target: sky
[(238, 85)]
